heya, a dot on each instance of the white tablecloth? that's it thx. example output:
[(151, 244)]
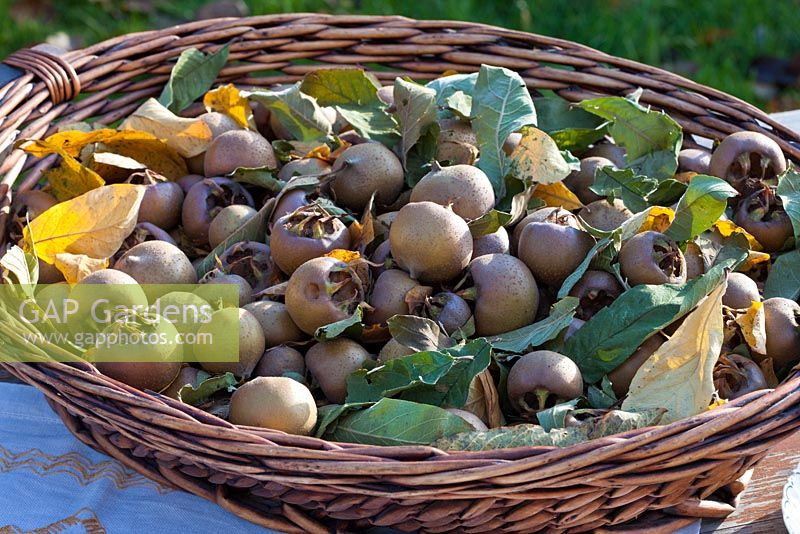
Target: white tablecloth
[(51, 481)]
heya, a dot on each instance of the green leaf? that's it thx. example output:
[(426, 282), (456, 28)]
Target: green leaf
[(573, 162), (614, 333), (576, 275), (193, 74), (501, 105), (522, 339), (527, 435), (660, 165), (556, 417), (718, 250), (488, 223), (602, 397), (417, 333), (669, 191), (328, 414), (350, 326), (447, 87), (556, 114), (416, 110), (22, 267), (516, 200), (354, 94), (395, 422), (624, 184), (421, 155), (577, 139), (537, 159), (639, 130), (570, 127), (789, 192), (376, 125), (440, 378), (460, 104), (397, 376), (263, 177), (341, 87), (300, 114), (206, 388), (784, 277), (700, 207)]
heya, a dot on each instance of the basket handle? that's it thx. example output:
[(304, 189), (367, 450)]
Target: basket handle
[(45, 62)]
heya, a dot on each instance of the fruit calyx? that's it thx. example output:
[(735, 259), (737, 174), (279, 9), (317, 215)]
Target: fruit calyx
[(313, 222), (763, 205), (668, 257), (345, 288)]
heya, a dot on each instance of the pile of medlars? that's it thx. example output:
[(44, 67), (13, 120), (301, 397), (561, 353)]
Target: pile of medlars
[(423, 261)]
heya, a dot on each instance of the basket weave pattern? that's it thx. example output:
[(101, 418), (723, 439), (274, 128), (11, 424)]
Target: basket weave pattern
[(292, 483)]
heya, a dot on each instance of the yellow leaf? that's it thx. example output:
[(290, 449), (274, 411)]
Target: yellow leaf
[(753, 328), (322, 152), (76, 267), (228, 100), (728, 228), (94, 224), (557, 195), (717, 403), (658, 219), (69, 179), (189, 137), (73, 141), (753, 259), (344, 255), (113, 167), (537, 159), (484, 401), (153, 154), (678, 376)]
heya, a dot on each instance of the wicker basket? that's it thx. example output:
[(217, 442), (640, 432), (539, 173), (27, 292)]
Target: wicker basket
[(303, 484)]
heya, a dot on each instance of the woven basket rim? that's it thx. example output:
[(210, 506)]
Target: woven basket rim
[(398, 21), (762, 398)]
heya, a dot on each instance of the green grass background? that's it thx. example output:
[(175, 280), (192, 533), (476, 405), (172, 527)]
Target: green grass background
[(711, 41)]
